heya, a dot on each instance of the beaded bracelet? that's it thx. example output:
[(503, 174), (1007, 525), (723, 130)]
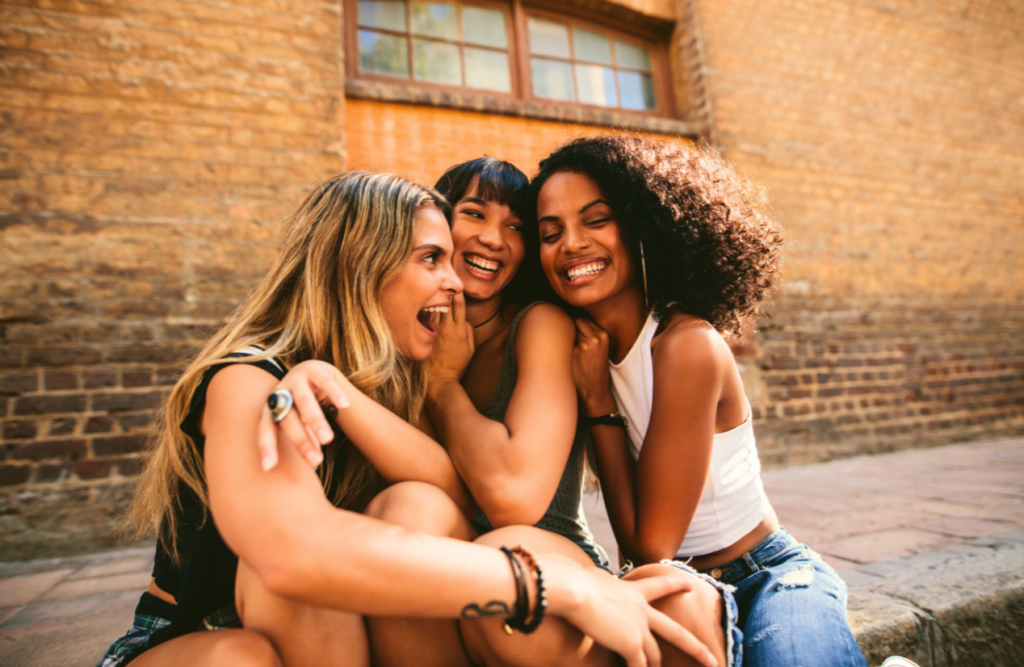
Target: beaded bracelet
[(522, 606), (517, 622)]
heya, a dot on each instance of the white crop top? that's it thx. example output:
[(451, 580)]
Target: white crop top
[(734, 501)]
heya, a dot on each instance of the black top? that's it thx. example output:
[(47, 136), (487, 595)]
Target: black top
[(205, 579)]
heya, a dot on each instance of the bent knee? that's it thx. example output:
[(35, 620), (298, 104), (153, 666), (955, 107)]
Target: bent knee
[(245, 647), (420, 506)]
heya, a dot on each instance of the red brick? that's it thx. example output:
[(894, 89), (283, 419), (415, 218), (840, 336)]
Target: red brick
[(19, 430), (99, 424), (62, 426), (122, 444), (98, 379), (48, 449), (18, 383), (49, 403), (93, 468), (126, 401), (56, 380), (14, 474)]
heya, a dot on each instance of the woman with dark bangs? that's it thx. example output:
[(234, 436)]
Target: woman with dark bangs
[(667, 251)]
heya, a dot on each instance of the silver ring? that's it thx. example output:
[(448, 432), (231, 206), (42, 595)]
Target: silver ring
[(280, 403)]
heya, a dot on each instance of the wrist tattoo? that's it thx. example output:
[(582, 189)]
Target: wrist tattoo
[(331, 412), (492, 608)]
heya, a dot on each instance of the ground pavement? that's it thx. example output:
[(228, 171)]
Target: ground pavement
[(885, 522)]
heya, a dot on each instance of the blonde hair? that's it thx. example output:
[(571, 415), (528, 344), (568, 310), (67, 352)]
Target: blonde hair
[(320, 300)]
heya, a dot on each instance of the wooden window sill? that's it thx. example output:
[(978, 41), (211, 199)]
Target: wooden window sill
[(567, 113)]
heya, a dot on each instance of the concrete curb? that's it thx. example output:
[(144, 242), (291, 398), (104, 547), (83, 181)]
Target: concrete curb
[(953, 607)]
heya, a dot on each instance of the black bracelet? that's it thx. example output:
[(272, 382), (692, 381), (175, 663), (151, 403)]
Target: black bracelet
[(542, 598), (522, 608), (611, 419)]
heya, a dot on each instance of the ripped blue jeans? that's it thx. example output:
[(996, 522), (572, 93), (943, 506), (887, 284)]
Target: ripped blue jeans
[(792, 606)]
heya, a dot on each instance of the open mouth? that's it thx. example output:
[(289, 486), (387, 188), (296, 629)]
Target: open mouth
[(481, 265), (425, 317), (581, 271)]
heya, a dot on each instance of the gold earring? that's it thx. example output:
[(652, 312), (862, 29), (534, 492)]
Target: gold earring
[(643, 271)]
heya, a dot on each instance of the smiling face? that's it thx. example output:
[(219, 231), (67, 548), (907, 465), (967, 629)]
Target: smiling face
[(581, 250), (489, 246), (425, 285)]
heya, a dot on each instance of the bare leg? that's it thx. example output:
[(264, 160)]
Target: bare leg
[(398, 642), (699, 611), (216, 648), (555, 642), (303, 634)]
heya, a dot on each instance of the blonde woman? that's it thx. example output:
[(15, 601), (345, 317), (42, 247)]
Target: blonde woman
[(278, 567)]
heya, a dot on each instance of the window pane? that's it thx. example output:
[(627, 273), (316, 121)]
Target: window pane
[(434, 19), (388, 15), (484, 26), (591, 46), (637, 91), (548, 38), (383, 54), (631, 56), (596, 85), (488, 70), (552, 79), (437, 62)]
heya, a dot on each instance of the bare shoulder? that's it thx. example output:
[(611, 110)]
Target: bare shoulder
[(546, 320), (688, 341), (237, 387)]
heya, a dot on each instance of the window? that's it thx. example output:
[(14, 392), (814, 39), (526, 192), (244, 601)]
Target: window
[(507, 50), (447, 43)]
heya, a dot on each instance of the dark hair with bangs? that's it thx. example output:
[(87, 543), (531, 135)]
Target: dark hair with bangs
[(503, 183), (710, 243)]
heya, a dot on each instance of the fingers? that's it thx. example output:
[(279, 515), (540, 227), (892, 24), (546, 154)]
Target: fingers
[(654, 588), (308, 407), (459, 308), (295, 432), (680, 637), (266, 440)]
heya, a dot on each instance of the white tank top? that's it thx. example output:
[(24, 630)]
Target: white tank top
[(734, 501)]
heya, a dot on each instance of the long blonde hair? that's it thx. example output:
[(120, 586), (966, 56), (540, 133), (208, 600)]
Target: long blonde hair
[(320, 300)]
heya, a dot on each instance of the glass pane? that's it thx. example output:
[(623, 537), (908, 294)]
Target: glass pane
[(631, 56), (591, 46), (548, 38), (435, 19), (437, 62), (637, 91), (388, 15), (383, 54), (488, 70), (484, 26), (596, 85), (552, 79)]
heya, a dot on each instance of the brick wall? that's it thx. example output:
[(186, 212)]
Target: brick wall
[(891, 135), (148, 153)]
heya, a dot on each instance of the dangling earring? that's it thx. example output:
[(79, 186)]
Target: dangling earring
[(643, 271)]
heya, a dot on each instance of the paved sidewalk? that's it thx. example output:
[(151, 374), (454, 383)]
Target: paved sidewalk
[(859, 513)]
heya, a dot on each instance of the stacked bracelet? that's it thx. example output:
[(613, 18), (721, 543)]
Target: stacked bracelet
[(518, 621)]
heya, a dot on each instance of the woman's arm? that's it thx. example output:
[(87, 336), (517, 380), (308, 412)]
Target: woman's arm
[(652, 502), (302, 547), (513, 468)]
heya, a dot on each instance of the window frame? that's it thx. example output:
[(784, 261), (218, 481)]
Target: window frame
[(517, 13)]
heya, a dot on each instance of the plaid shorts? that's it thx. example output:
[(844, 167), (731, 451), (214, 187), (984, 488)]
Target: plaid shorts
[(150, 616)]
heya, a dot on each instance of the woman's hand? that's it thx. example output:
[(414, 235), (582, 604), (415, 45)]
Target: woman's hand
[(454, 345), (305, 427), (617, 614), (590, 368)]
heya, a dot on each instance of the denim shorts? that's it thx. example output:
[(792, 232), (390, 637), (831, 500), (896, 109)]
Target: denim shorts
[(792, 606), (730, 611)]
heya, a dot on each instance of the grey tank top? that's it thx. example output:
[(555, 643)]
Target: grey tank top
[(564, 515)]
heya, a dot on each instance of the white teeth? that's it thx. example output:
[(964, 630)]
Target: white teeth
[(437, 309), (482, 264), (585, 270)]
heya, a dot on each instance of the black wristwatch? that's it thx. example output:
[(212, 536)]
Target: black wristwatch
[(611, 419)]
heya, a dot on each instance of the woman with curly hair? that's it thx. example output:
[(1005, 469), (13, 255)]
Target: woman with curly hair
[(669, 251)]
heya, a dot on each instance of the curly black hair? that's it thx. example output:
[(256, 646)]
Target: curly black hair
[(501, 182), (710, 244)]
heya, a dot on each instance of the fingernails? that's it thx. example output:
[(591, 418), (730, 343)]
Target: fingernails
[(268, 461), (341, 400), (325, 435), (314, 457)]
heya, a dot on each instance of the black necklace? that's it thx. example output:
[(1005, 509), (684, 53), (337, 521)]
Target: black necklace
[(477, 326)]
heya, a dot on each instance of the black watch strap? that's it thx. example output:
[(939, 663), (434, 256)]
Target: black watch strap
[(610, 419)]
